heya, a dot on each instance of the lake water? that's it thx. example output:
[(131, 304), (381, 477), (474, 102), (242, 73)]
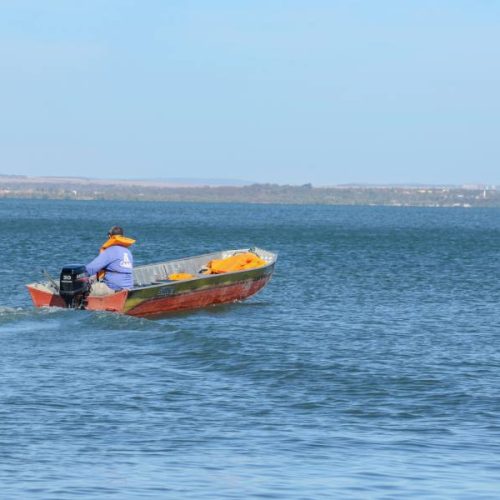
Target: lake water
[(369, 367)]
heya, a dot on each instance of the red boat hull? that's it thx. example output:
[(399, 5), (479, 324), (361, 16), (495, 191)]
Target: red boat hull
[(192, 299), (200, 298)]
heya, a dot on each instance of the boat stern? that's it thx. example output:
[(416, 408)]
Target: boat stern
[(43, 296)]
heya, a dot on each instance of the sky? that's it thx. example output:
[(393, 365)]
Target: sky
[(280, 91)]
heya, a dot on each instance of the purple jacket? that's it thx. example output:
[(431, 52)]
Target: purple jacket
[(118, 262)]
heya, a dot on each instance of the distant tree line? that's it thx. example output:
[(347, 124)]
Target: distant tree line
[(255, 193)]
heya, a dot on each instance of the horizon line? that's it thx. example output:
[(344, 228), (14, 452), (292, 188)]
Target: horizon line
[(186, 182)]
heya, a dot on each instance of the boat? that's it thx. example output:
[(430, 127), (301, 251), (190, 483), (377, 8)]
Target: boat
[(153, 293)]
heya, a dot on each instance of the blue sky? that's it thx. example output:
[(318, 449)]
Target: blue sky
[(325, 92)]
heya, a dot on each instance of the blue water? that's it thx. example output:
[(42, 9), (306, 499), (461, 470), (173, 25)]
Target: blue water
[(369, 367)]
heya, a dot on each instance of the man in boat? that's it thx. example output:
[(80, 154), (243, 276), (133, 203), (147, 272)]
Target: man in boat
[(114, 264)]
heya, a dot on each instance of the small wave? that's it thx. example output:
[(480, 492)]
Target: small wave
[(9, 310), (8, 314)]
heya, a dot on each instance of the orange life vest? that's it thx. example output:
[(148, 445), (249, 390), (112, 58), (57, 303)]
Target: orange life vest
[(114, 240), (117, 239), (181, 276), (238, 262)]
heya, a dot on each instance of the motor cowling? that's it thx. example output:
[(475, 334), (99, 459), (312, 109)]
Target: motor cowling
[(74, 285)]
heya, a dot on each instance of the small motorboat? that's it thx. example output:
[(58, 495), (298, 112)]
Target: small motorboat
[(154, 292)]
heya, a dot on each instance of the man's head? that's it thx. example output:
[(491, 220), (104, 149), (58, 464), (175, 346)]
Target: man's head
[(115, 230)]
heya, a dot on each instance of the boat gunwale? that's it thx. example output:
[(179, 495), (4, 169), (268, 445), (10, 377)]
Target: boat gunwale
[(171, 283)]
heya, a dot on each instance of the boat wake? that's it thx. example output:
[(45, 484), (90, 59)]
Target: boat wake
[(55, 319), (9, 315), (9, 310)]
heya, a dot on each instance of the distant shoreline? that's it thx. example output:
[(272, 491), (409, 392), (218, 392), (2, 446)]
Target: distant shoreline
[(76, 188)]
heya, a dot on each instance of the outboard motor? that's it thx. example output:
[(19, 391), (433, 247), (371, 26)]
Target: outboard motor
[(74, 285)]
